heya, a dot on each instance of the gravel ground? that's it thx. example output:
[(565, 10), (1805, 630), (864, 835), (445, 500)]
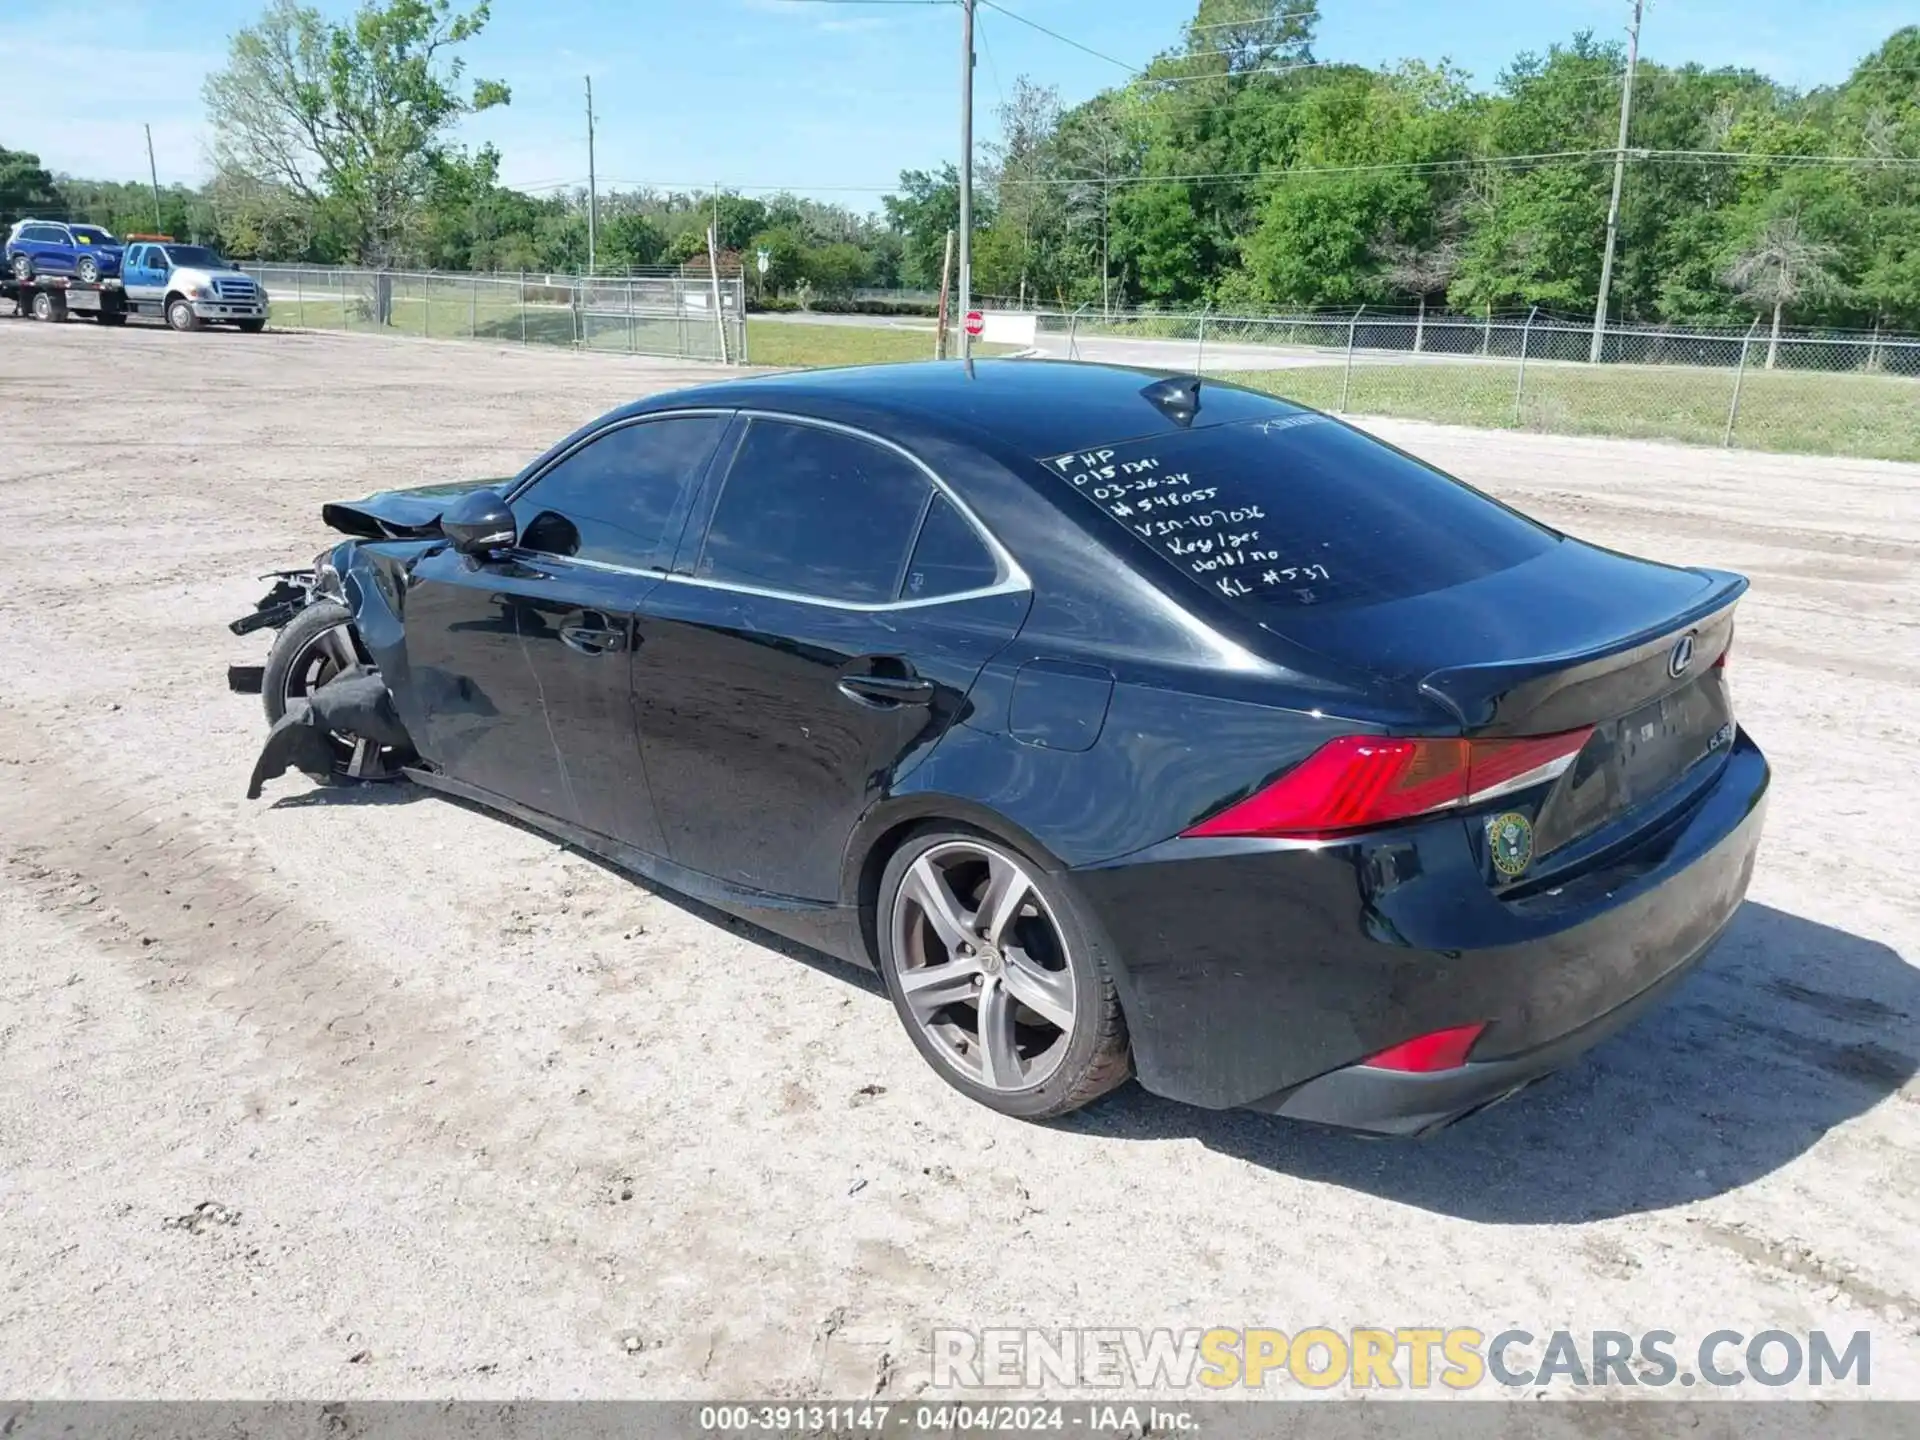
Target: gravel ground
[(361, 1092)]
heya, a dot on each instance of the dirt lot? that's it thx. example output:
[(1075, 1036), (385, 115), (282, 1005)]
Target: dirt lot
[(479, 1117)]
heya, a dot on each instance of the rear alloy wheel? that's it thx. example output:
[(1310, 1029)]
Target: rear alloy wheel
[(23, 267), (998, 976)]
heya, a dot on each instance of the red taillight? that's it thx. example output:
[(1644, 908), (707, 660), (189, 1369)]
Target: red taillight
[(1441, 1050), (1359, 781)]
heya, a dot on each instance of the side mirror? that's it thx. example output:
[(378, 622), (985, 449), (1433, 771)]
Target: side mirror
[(478, 524)]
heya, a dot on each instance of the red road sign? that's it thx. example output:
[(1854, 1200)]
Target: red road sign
[(976, 322)]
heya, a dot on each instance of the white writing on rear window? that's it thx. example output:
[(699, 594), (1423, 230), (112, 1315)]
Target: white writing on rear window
[(1224, 547)]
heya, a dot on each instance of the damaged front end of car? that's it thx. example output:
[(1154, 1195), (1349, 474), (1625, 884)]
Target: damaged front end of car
[(329, 706)]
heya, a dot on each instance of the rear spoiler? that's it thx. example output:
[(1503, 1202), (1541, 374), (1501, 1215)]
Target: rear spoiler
[(1549, 693)]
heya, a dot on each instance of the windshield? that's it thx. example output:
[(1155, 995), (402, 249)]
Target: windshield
[(92, 235), (1300, 511), (196, 255)]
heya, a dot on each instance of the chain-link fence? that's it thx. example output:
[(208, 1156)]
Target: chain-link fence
[(1829, 392), (681, 316)]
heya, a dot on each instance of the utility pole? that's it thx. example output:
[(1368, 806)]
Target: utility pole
[(153, 174), (940, 324), (966, 175), (1619, 176), (593, 188)]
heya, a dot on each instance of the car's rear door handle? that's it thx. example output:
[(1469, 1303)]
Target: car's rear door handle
[(887, 690), (592, 639)]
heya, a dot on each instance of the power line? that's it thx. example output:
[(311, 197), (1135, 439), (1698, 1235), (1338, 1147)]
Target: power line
[(992, 69), (1429, 167), (1256, 20), (1866, 162), (1063, 39), (1237, 74)]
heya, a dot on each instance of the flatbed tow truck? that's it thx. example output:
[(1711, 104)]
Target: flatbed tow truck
[(186, 287), (54, 297)]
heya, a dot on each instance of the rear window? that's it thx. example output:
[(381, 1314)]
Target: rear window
[(1300, 511)]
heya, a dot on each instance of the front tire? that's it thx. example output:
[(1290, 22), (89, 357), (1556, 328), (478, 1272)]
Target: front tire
[(312, 648), (86, 269), (999, 974), (181, 317), (252, 327)]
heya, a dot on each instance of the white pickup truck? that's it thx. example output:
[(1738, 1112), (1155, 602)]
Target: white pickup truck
[(189, 286)]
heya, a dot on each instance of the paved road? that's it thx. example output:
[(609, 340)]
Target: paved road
[(1155, 354)]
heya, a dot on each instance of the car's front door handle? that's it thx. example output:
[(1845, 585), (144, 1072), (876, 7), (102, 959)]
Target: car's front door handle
[(887, 690), (592, 639)]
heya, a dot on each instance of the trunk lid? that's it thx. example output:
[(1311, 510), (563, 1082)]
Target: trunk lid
[(1577, 637)]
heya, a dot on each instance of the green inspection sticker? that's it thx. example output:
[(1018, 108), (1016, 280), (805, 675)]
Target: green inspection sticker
[(1510, 839)]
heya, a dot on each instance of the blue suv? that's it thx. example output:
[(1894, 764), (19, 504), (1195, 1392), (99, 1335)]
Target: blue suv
[(47, 247)]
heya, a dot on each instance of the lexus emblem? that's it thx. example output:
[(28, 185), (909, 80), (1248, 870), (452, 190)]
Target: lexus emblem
[(1681, 657)]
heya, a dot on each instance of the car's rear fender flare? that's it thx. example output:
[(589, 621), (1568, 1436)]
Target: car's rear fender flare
[(894, 822), (888, 825)]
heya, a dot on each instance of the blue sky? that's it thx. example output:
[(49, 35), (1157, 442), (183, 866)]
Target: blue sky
[(762, 93)]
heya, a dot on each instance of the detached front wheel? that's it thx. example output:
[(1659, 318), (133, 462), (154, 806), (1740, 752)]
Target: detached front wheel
[(998, 973)]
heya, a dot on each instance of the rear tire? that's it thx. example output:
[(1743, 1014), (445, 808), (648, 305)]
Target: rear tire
[(959, 978), (48, 306), (111, 317), (23, 267), (181, 317)]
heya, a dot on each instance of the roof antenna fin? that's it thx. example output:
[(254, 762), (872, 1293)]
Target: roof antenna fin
[(1177, 397)]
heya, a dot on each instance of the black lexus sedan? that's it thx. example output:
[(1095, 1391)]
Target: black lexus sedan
[(1128, 723)]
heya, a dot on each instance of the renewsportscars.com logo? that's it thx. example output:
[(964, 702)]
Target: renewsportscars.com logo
[(1402, 1358)]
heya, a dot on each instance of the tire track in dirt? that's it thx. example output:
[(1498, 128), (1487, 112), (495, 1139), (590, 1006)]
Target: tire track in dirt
[(176, 902)]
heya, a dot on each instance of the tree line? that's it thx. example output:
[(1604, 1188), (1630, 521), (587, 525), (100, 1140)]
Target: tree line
[(1236, 170)]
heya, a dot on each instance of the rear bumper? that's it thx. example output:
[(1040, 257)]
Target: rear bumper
[(1261, 974), (1394, 1102)]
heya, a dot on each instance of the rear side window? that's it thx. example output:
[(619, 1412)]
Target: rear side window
[(1299, 511), (949, 558), (610, 501), (815, 512)]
